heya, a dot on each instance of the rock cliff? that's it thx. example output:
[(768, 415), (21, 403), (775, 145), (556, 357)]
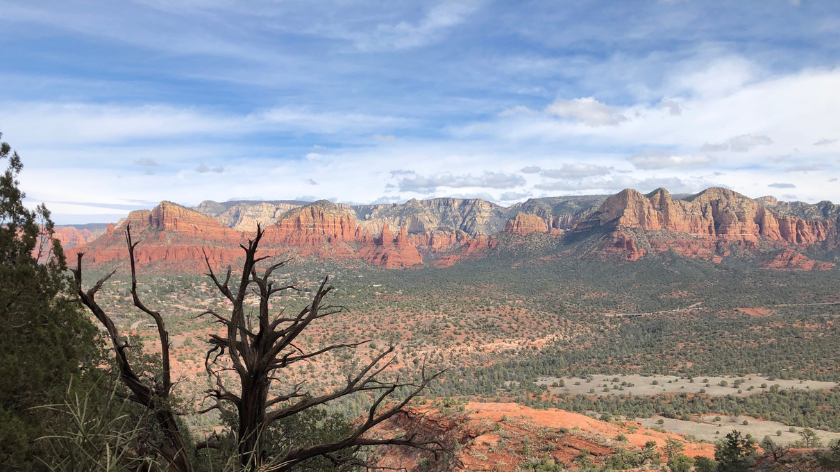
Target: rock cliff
[(701, 225), (79, 235), (525, 223), (472, 216), (711, 225)]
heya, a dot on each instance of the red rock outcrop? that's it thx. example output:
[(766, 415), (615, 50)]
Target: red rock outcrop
[(386, 237), (696, 227), (392, 253), (715, 213), (70, 237), (794, 261), (177, 237), (169, 234), (525, 223), (711, 225), (472, 249), (489, 437)]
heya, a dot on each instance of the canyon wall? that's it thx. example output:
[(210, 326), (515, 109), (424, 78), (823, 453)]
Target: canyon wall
[(711, 225)]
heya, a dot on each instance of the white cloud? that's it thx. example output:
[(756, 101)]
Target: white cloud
[(429, 184), (781, 185), (514, 196), (203, 169), (145, 161), (659, 159), (406, 35), (722, 76), (587, 110), (806, 168), (620, 182), (575, 171), (386, 199), (742, 143), (825, 142), (670, 105), (93, 123), (63, 144)]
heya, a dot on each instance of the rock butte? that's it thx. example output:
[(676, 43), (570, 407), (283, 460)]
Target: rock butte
[(711, 225)]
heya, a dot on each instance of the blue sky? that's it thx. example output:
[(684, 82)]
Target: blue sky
[(118, 105)]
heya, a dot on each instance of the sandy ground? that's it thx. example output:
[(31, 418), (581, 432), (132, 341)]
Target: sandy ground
[(643, 385), (711, 430)]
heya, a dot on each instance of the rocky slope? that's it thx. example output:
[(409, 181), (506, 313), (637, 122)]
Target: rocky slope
[(823, 210), (245, 215), (472, 216), (524, 223), (79, 235), (712, 225), (508, 437), (708, 225)]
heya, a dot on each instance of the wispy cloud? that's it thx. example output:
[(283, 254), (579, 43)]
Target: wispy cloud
[(429, 184), (94, 123), (570, 171), (145, 161), (658, 159), (406, 35), (419, 99), (587, 110), (743, 143), (203, 169)]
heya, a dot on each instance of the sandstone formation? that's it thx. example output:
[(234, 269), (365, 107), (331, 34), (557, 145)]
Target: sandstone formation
[(525, 224), (788, 259), (824, 210), (712, 225), (73, 236), (481, 438), (472, 216), (70, 237), (701, 225)]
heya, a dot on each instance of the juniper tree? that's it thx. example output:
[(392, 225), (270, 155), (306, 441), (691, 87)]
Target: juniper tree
[(45, 338), (254, 348)]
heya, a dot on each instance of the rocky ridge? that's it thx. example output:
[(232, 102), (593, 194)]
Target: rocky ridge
[(712, 225), (707, 225), (78, 235)]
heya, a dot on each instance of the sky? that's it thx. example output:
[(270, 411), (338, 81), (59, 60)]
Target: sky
[(117, 105)]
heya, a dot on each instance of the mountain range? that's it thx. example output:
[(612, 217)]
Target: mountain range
[(714, 225)]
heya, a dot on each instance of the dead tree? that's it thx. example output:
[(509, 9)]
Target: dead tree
[(255, 349), (153, 394)]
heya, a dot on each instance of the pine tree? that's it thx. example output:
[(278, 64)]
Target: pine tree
[(45, 338)]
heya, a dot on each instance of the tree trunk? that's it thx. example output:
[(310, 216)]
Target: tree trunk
[(252, 418)]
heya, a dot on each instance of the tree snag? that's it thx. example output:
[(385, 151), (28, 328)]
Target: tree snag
[(255, 350)]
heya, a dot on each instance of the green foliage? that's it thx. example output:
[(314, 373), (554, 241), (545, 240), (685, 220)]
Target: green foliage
[(97, 434), (810, 438), (704, 464), (623, 459), (734, 453), (680, 463), (830, 459), (672, 447), (45, 339)]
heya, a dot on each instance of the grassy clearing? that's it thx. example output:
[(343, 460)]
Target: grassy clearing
[(603, 385), (710, 430)]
